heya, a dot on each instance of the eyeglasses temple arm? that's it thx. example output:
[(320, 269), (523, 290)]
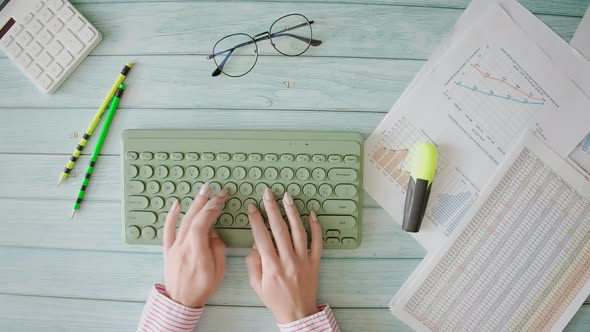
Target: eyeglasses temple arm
[(219, 68)]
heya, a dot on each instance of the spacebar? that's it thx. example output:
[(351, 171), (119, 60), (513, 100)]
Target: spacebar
[(236, 237)]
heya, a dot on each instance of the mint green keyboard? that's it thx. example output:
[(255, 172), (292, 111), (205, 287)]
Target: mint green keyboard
[(321, 170)]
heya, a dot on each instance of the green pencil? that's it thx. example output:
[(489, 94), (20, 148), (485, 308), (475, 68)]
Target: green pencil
[(98, 147)]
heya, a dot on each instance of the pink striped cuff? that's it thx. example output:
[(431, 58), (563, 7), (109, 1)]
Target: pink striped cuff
[(323, 321), (163, 314)]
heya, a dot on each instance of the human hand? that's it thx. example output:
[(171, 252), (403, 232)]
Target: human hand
[(286, 278), (194, 258)]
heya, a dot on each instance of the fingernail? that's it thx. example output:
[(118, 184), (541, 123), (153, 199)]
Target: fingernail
[(205, 189), (223, 192), (175, 205), (268, 195), (287, 199), (251, 208), (313, 216)]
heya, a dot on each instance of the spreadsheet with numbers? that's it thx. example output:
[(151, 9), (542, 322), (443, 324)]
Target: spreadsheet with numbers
[(520, 263)]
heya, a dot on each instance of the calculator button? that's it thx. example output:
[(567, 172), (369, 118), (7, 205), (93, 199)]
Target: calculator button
[(239, 157), (303, 158), (34, 71), (45, 15), (271, 173), (260, 188), (232, 188), (70, 41), (14, 50), (132, 171), (55, 47), (44, 59), (131, 155), (146, 156), (223, 173), (226, 220), (135, 187), (148, 233), (313, 205), (76, 24), (55, 4), (208, 172), (215, 188), (38, 5), (157, 202), (241, 220), (294, 189), (34, 49), (325, 190), (192, 172), (24, 60), (338, 222), (271, 157), (17, 29), (168, 187), (192, 156), (45, 37), (287, 158), (153, 187), (138, 202), (318, 174), (318, 158), (234, 204), (223, 157), (6, 41), (246, 189), (207, 156), (278, 189), (54, 70), (27, 18), (132, 232), (66, 13), (184, 188), (255, 173), (345, 190), (342, 206), (55, 25), (342, 174), (302, 174), (146, 171), (309, 190), (177, 156), (239, 173), (351, 159), (86, 35), (24, 38), (161, 171), (186, 203), (35, 26), (255, 157), (45, 81)]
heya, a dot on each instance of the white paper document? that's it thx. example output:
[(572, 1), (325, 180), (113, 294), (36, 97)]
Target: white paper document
[(520, 262), (581, 39), (484, 91)]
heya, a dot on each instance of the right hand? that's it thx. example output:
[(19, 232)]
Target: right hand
[(285, 278)]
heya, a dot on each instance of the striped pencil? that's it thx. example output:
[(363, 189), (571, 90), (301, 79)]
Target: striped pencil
[(120, 79), (99, 143)]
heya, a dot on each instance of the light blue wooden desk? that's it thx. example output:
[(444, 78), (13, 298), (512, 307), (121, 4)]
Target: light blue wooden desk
[(58, 274)]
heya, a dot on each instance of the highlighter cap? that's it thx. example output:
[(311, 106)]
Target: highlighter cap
[(424, 163)]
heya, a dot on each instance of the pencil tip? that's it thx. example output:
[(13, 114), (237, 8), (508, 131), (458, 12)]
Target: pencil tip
[(74, 213), (59, 183)]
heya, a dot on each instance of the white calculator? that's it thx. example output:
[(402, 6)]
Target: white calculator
[(46, 39)]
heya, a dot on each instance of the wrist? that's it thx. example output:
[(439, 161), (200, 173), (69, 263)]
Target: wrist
[(296, 314)]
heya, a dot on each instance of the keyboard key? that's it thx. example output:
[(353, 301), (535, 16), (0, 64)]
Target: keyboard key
[(318, 158), (184, 188), (197, 187), (54, 70), (132, 232), (349, 241), (325, 190), (260, 188), (24, 60), (76, 24), (335, 206), (239, 173), (177, 156), (309, 190), (14, 50), (287, 158), (215, 188), (294, 189), (34, 48), (223, 172), (44, 59), (146, 156), (170, 201), (132, 171), (162, 217), (225, 220), (255, 157), (318, 174), (255, 173), (303, 158), (351, 159), (24, 38), (55, 4), (313, 205), (337, 222), (148, 233), (45, 37), (208, 172), (234, 204), (186, 203), (239, 157), (271, 157), (35, 26), (45, 81), (302, 174), (35, 71), (130, 155), (153, 187), (138, 202), (66, 13), (157, 202), (232, 188), (224, 157), (345, 190), (332, 241), (342, 175), (55, 47), (192, 172), (161, 156), (141, 217), (246, 189), (55, 25), (249, 201), (6, 41), (334, 158), (300, 205), (333, 233), (161, 171), (287, 174), (177, 172), (146, 171), (168, 187), (278, 189), (207, 156), (192, 156), (271, 173), (241, 220), (160, 234), (45, 15), (16, 29)]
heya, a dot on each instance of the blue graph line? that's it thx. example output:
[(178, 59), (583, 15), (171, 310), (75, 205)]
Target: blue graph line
[(502, 97)]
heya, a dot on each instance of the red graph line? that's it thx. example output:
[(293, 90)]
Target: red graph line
[(485, 75)]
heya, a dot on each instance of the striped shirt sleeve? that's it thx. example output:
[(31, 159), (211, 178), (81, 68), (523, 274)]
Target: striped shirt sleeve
[(163, 314), (323, 321)]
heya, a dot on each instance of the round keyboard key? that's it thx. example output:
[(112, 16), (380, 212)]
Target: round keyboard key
[(157, 202), (294, 189), (170, 201), (162, 217), (318, 174), (260, 187), (255, 157), (184, 188), (146, 171), (208, 172), (309, 190), (232, 188), (161, 171), (225, 220), (303, 158), (246, 189), (255, 173), (161, 156), (334, 158), (137, 202), (271, 157), (325, 190), (300, 205), (160, 234), (223, 173), (153, 187), (302, 174), (234, 204), (168, 187), (313, 205), (239, 173), (345, 190), (197, 187), (192, 156), (177, 172), (318, 158), (350, 159), (239, 157), (177, 156), (192, 172), (271, 173), (148, 233), (186, 203), (135, 187), (278, 189), (215, 188), (133, 232), (262, 206), (287, 174), (131, 155), (249, 201), (281, 206), (224, 157), (132, 171), (146, 156), (241, 220)]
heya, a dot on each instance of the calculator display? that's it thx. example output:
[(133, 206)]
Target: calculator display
[(6, 27)]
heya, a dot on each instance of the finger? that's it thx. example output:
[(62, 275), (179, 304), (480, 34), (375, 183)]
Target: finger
[(170, 225), (297, 231), (204, 220), (254, 265), (280, 232), (262, 238), (316, 238), (200, 201), (218, 248)]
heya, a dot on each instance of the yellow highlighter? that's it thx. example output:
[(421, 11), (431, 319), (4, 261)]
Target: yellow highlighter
[(421, 176)]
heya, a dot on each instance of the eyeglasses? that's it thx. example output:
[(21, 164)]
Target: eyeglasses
[(235, 55)]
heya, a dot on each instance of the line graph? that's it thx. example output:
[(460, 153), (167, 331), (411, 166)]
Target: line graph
[(503, 81), (503, 97)]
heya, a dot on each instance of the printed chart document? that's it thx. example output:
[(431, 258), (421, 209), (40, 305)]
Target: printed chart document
[(581, 39), (485, 91), (520, 262)]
